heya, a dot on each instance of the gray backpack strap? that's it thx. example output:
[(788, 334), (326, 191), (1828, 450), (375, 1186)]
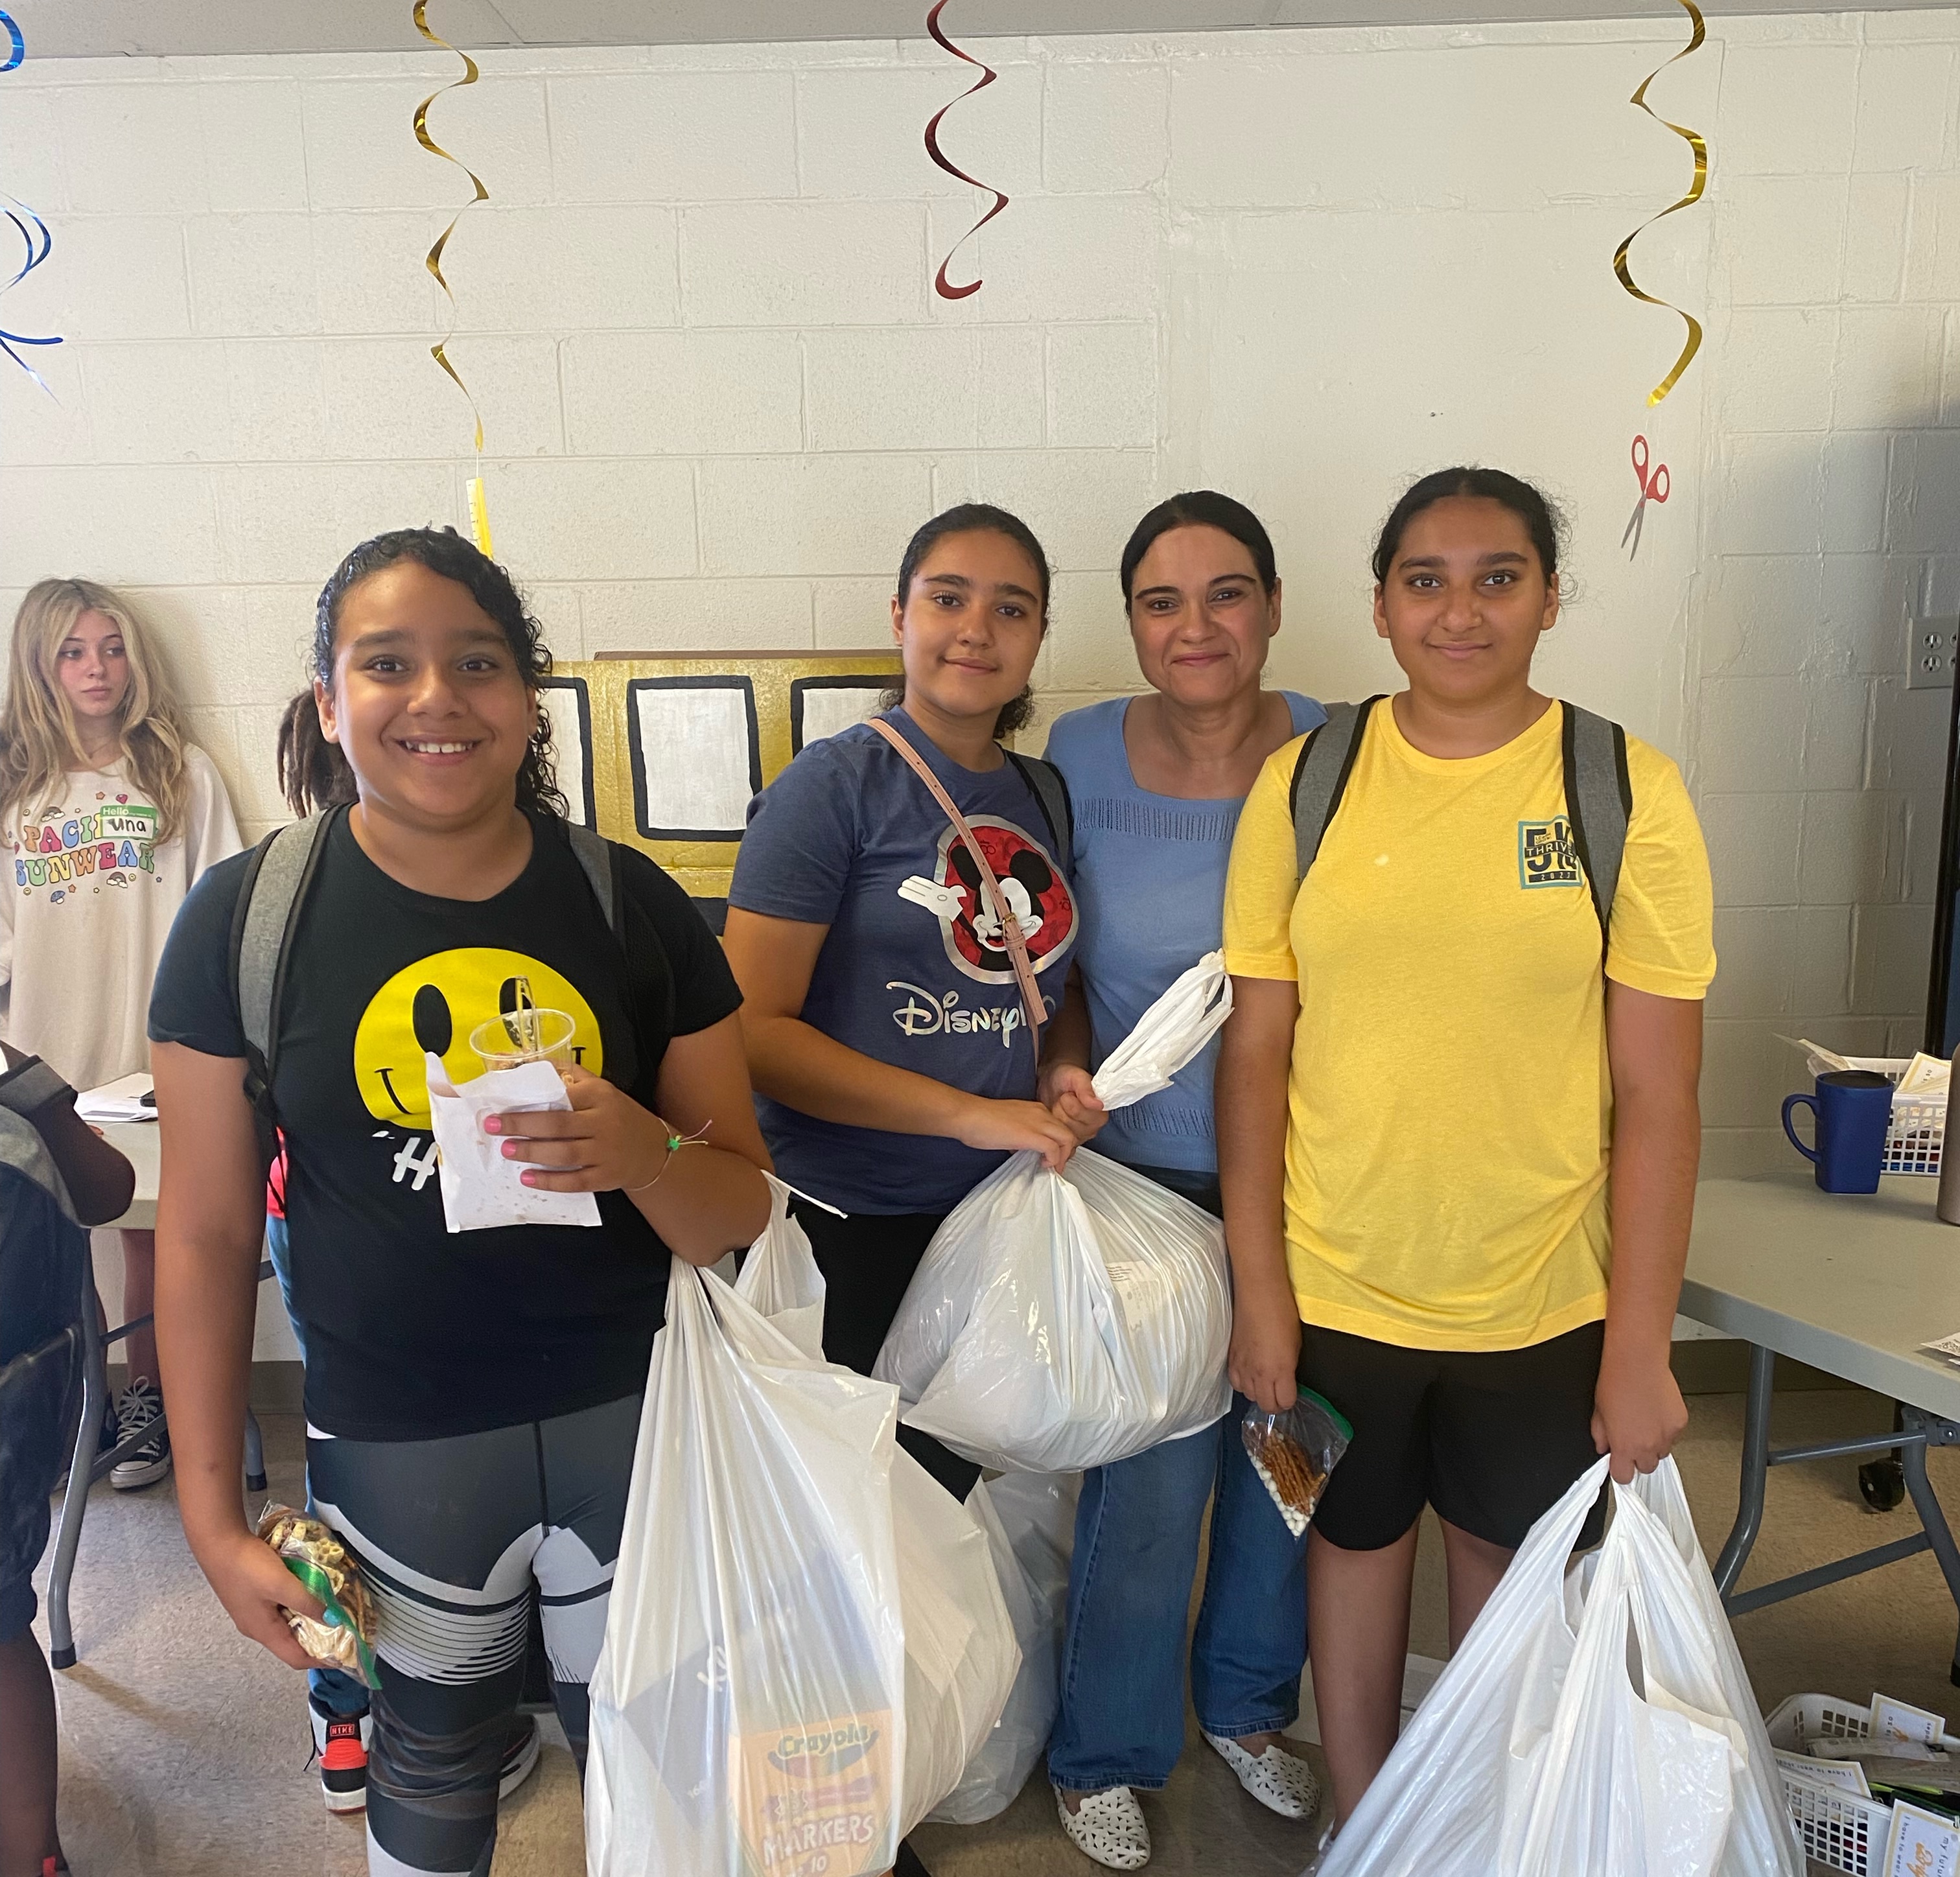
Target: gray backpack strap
[(598, 860), (262, 923), (31, 1087), (22, 1094), (1051, 794), (267, 902), (1598, 802), (1320, 776), (594, 854)]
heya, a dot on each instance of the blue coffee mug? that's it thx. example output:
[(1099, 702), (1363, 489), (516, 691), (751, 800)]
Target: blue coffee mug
[(1853, 1109)]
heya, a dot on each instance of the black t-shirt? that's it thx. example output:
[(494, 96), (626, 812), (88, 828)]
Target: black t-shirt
[(412, 1333)]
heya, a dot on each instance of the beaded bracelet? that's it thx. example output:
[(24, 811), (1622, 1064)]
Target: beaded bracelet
[(675, 1143)]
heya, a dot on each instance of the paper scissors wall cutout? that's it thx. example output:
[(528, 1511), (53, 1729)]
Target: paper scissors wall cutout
[(1654, 488)]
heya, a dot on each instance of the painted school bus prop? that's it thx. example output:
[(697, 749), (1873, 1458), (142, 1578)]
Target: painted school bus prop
[(663, 751)]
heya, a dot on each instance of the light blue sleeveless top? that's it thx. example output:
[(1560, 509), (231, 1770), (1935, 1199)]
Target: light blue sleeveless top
[(1149, 887)]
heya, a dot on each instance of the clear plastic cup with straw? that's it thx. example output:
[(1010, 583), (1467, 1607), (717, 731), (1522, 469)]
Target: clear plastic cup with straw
[(525, 1035)]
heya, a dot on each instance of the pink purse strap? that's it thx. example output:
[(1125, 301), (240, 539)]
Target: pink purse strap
[(1010, 927)]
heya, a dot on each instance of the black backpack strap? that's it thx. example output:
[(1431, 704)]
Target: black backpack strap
[(1320, 776), (1599, 804), (1051, 793), (277, 879)]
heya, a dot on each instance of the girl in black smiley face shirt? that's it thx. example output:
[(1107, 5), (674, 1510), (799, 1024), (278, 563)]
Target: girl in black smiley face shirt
[(472, 1400)]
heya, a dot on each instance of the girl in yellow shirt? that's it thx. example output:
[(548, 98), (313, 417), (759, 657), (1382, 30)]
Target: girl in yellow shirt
[(1432, 1064)]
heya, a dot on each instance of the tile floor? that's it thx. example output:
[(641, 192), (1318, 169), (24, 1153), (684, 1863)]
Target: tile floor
[(185, 1748)]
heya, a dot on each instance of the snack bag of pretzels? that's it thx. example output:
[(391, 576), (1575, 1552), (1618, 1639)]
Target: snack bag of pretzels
[(1294, 1452), (315, 1555)]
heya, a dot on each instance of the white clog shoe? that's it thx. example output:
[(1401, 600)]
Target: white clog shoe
[(1110, 1827), (1281, 1781)]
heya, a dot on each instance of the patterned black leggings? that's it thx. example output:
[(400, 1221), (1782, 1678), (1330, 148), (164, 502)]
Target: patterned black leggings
[(456, 1537)]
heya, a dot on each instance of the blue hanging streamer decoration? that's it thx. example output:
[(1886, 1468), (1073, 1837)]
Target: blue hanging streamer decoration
[(32, 230)]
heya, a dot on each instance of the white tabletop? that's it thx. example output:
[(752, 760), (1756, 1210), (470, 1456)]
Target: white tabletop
[(138, 1141), (1850, 1284), (272, 1337)]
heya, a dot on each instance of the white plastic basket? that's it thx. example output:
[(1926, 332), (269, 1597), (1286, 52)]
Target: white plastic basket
[(1804, 1718), (1912, 1142), (1839, 1827), (1918, 1124), (1842, 1829)]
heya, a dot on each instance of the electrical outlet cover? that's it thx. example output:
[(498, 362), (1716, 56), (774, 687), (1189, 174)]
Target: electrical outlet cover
[(1931, 649)]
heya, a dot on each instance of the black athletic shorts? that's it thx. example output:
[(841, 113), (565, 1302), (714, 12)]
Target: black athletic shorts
[(1490, 1438)]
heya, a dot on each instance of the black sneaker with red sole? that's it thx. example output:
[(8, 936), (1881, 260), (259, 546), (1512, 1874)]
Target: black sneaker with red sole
[(340, 1744)]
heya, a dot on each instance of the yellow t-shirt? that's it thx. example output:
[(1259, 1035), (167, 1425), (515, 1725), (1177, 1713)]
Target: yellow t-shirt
[(1450, 1105)]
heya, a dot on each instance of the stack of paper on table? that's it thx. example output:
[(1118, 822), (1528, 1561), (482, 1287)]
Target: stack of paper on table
[(133, 1099)]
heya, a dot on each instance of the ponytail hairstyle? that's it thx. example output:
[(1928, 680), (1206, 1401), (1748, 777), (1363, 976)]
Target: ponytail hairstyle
[(1543, 522), (975, 518), (38, 743), (444, 551), (313, 773)]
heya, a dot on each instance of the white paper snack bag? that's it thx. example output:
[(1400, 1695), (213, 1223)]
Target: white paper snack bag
[(480, 1187)]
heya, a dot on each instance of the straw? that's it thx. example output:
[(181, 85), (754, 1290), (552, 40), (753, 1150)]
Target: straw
[(528, 1033)]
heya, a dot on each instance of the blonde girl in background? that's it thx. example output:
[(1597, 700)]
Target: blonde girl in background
[(112, 814)]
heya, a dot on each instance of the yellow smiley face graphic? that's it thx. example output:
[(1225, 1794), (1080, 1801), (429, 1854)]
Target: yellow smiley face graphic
[(432, 1006)]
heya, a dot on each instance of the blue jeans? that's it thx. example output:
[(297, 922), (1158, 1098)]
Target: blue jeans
[(339, 1693), (1121, 1720)]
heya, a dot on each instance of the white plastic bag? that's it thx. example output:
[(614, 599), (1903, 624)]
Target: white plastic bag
[(1030, 1519), (480, 1187), (1597, 1720), (961, 1655), (748, 1705), (1188, 1013), (1062, 1321), (780, 1277), (806, 1641)]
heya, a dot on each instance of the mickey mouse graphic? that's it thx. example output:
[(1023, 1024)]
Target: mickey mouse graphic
[(1035, 893)]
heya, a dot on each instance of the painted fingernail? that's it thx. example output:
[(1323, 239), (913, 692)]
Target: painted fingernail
[(510, 1149), (493, 1123), (528, 1179)]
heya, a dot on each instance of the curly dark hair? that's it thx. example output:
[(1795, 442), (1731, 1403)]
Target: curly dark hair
[(312, 772)]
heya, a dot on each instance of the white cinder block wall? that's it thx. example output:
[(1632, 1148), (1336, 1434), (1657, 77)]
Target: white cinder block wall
[(718, 391)]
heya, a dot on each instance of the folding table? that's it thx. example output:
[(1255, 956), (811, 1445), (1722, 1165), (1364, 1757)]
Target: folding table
[(1852, 1284)]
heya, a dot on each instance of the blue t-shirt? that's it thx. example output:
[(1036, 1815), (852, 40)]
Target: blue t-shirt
[(1149, 876), (847, 836)]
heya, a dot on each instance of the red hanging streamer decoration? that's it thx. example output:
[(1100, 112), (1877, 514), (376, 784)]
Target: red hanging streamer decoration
[(945, 288)]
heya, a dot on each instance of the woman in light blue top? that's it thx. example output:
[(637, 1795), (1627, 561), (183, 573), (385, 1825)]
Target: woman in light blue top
[(1156, 782)]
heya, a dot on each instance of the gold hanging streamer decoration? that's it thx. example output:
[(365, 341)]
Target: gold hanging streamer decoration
[(1699, 145), (479, 513)]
